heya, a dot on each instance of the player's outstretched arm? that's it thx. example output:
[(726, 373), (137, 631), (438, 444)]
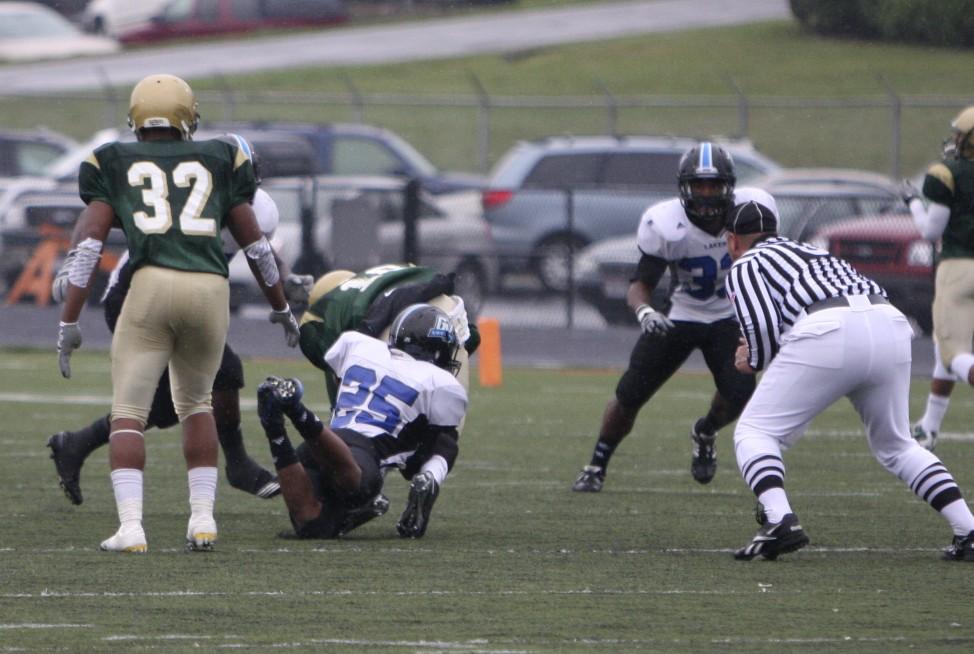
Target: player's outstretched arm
[(90, 233)]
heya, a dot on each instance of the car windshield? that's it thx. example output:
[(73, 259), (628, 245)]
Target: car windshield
[(31, 24), (421, 163)]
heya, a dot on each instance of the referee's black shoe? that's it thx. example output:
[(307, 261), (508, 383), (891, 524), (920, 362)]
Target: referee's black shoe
[(962, 549), (774, 538)]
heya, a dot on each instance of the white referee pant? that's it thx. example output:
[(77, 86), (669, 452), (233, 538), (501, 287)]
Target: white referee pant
[(861, 351)]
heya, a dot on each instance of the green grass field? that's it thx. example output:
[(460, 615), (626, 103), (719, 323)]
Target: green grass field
[(513, 561)]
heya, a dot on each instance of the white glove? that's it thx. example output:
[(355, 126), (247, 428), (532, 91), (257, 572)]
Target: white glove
[(297, 288), (652, 321), (291, 330), (59, 287), (68, 340), (458, 318), (908, 192)]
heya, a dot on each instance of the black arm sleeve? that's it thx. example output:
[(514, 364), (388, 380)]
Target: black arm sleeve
[(385, 308), (649, 270), (438, 440)]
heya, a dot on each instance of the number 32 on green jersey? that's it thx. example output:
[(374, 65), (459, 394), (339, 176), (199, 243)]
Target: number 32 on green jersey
[(188, 174)]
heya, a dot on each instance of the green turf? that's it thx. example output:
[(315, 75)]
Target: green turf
[(513, 561)]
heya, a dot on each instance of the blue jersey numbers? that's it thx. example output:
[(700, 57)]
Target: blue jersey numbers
[(365, 399), (704, 274)]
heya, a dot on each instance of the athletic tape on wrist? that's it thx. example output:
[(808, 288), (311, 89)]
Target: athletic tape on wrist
[(263, 255), (86, 257)]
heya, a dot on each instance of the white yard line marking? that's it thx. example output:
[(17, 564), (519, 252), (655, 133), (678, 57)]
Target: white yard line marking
[(37, 625)]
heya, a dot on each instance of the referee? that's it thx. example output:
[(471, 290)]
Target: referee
[(820, 331)]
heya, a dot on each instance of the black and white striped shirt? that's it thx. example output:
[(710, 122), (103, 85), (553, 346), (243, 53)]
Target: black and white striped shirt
[(772, 283)]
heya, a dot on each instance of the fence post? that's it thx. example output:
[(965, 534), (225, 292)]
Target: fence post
[(570, 286), (229, 101), (357, 101), (743, 107), (111, 98), (410, 217), (483, 122), (895, 125), (611, 109)]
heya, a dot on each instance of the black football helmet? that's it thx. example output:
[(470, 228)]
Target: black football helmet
[(426, 333), (706, 161), (247, 148)]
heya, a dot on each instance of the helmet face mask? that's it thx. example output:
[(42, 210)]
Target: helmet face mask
[(163, 102), (706, 179), (426, 333)]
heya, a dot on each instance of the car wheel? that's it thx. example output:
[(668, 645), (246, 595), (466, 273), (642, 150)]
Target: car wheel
[(551, 259), (471, 284)]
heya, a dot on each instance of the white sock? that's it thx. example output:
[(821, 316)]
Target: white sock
[(958, 514), (202, 490), (127, 484), (775, 503), (438, 467), (936, 410), (961, 366)]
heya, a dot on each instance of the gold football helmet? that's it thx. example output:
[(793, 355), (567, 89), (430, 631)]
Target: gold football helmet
[(960, 145), (164, 101)]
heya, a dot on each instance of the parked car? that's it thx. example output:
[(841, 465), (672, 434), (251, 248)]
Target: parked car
[(546, 199), (889, 249), (365, 215), (29, 32), (32, 210), (30, 152), (360, 149), (281, 154), (193, 18), (114, 16), (808, 200)]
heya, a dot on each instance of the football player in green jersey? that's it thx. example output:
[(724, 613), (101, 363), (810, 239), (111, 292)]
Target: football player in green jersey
[(171, 196), (949, 216), (341, 301)]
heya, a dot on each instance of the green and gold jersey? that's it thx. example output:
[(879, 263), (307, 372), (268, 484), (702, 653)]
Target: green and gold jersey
[(951, 183), (171, 198), (344, 307)]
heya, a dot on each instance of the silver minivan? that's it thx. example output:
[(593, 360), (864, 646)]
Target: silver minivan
[(549, 198)]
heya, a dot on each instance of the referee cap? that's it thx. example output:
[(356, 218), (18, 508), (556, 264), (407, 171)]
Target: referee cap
[(752, 218)]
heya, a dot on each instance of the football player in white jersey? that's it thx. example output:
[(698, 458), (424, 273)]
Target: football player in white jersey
[(69, 449), (398, 406), (684, 234)]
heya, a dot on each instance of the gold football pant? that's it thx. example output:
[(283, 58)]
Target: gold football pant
[(175, 318)]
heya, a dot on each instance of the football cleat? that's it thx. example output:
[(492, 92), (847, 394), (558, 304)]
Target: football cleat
[(703, 465), (200, 533), (415, 518), (589, 480), (358, 516), (928, 439), (250, 477), (68, 465), (129, 538), (276, 395), (773, 539), (961, 549)]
